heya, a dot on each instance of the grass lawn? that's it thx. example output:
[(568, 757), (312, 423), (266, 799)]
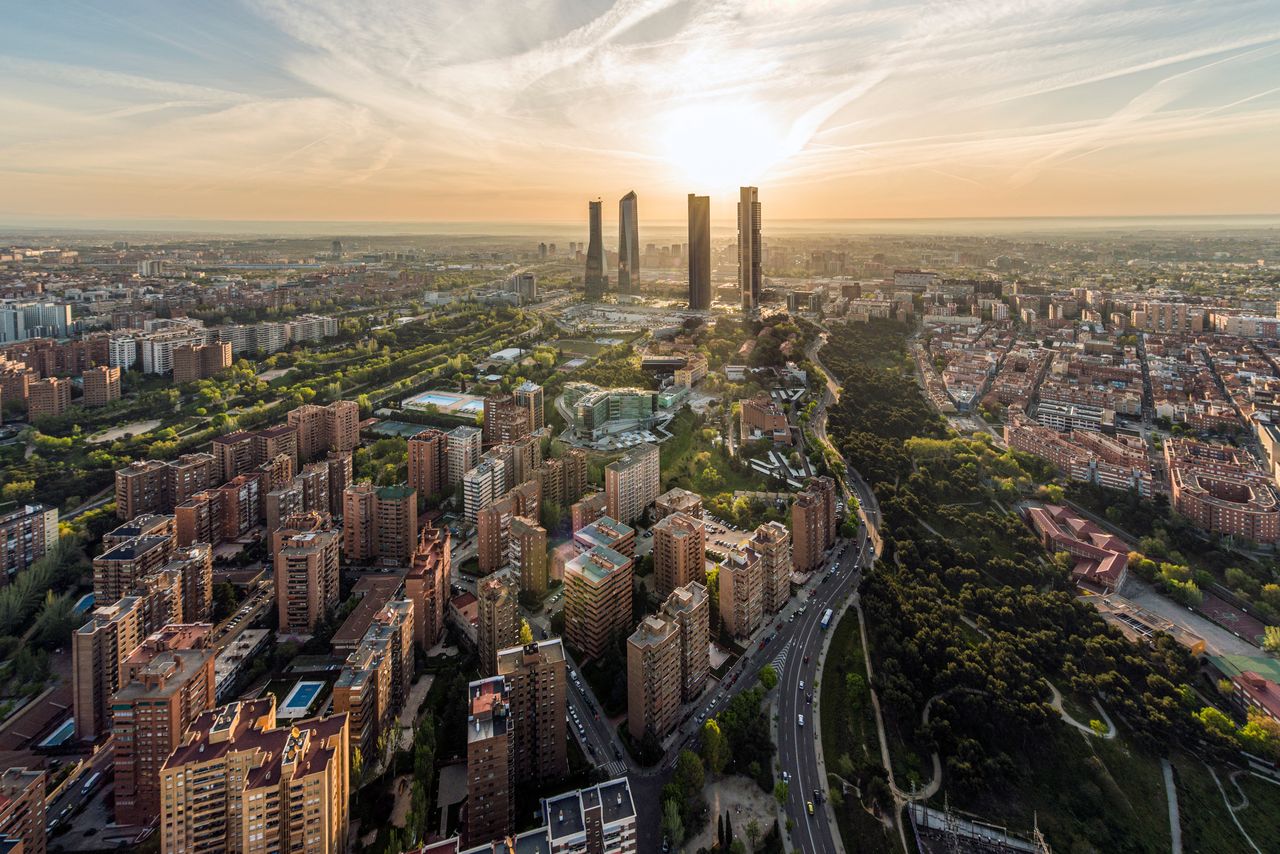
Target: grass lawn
[(1206, 823), (1085, 793), (578, 346), (1262, 818), (849, 733)]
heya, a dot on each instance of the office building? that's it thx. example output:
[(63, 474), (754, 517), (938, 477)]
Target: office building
[(168, 682), (772, 541), (306, 551), (538, 688), (689, 607), (761, 419), (427, 586), (596, 279), (490, 762), (98, 651), (22, 811), (101, 386), (741, 593), (464, 453), (429, 462), (48, 397), (813, 524), (653, 678), (240, 783), (632, 483), (25, 535), (499, 618), (699, 252), (628, 244), (750, 273), (529, 395), (679, 553), (597, 600)]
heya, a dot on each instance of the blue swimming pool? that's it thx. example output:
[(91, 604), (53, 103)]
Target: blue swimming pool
[(61, 734), (439, 398), (300, 699)]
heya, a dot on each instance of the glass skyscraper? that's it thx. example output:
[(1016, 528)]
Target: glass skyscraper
[(699, 252), (749, 272), (596, 278), (628, 245)]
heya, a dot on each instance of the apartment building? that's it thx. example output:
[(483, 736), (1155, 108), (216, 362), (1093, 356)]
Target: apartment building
[(537, 682), (741, 582), (167, 681), (429, 461), (679, 552), (101, 386), (48, 397), (564, 478), (589, 821), (597, 600), (529, 395), (505, 420), (499, 618), (677, 500), (305, 552), (813, 524), (374, 682), (22, 811), (193, 362), (609, 533), (761, 419), (117, 571), (589, 509), (98, 651), (26, 533), (482, 486), (632, 483), (379, 523), (240, 783), (464, 453), (490, 762), (427, 585), (689, 607), (529, 555), (321, 429), (653, 678), (772, 542)]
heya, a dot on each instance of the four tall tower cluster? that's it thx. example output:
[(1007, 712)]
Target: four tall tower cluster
[(750, 271)]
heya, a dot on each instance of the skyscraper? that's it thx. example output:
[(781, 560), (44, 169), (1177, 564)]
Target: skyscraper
[(749, 274), (699, 252), (628, 245), (596, 279)]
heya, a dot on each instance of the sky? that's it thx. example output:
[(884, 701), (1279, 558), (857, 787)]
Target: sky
[(507, 111)]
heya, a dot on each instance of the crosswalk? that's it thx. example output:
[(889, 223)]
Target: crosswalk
[(780, 660), (616, 768)]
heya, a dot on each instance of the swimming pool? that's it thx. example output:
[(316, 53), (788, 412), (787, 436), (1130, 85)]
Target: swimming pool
[(438, 398), (299, 701), (61, 734)]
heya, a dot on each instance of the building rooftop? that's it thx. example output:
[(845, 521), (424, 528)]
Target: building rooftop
[(130, 549), (597, 563), (398, 492), (512, 658)]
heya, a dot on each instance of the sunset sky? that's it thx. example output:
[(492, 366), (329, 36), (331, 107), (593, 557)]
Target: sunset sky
[(502, 110)]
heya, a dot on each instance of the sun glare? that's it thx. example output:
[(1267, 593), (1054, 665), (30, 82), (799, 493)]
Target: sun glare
[(723, 146)]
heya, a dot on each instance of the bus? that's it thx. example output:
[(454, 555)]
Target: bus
[(90, 784), (826, 619)]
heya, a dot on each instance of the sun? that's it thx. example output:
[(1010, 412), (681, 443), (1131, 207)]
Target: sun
[(719, 147)]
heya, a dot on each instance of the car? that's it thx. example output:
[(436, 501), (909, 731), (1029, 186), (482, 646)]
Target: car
[(799, 720), (617, 754), (809, 804), (808, 698), (786, 777), (817, 795), (801, 684), (806, 659)]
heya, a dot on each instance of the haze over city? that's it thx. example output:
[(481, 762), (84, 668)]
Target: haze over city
[(492, 111)]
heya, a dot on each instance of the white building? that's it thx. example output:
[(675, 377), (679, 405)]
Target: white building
[(463, 451), (483, 485)]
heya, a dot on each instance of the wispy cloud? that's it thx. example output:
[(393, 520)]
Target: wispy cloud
[(431, 103)]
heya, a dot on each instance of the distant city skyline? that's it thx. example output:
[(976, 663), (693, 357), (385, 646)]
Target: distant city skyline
[(279, 110)]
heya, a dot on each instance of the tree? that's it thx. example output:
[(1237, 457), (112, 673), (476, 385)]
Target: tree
[(672, 824), (780, 790), (526, 633), (768, 677), (1271, 640), (715, 749), (357, 764), (753, 833)]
